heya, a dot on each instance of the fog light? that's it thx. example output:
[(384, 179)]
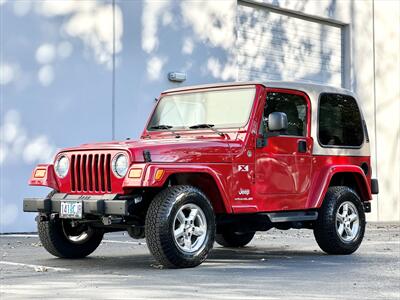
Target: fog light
[(40, 173), (135, 173), (159, 174)]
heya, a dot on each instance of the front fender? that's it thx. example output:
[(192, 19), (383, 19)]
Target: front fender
[(219, 172), (322, 181), (48, 179)]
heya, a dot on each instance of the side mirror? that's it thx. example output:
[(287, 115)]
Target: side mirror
[(277, 121)]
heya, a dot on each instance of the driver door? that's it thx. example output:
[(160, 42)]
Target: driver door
[(283, 164)]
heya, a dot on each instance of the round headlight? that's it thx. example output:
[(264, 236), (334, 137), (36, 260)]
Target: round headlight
[(61, 166), (120, 165)]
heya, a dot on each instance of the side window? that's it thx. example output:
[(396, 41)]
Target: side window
[(295, 108), (339, 121)]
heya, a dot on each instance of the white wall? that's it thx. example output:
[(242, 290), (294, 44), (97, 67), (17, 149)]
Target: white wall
[(387, 74)]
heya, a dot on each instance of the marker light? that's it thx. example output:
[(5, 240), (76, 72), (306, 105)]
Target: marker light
[(40, 173), (159, 174), (135, 173)]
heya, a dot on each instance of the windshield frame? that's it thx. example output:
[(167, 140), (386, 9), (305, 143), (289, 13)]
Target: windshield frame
[(206, 89)]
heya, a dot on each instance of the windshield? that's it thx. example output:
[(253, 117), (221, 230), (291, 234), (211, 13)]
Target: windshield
[(206, 109)]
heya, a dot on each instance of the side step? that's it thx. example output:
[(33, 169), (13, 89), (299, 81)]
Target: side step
[(292, 216)]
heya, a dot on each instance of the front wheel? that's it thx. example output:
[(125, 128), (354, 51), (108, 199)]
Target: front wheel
[(61, 239), (340, 226), (180, 227)]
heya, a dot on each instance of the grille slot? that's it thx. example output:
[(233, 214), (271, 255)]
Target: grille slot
[(91, 172)]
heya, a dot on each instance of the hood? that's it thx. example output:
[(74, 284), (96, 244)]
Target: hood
[(172, 150)]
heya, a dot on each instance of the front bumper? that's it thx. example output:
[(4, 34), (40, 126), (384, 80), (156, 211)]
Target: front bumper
[(94, 205)]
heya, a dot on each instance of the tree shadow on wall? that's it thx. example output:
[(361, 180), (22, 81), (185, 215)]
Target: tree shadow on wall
[(273, 46)]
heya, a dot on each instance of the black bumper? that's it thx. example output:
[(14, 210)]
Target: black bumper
[(367, 206), (374, 186), (94, 205)]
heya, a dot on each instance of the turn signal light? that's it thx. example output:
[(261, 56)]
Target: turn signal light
[(40, 173), (159, 174), (135, 173)]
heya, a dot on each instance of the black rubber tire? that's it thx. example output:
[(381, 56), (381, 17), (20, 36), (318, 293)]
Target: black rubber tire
[(54, 240), (229, 238), (159, 224), (325, 227)]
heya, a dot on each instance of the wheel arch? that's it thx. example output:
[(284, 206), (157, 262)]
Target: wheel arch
[(204, 178), (203, 181), (343, 175)]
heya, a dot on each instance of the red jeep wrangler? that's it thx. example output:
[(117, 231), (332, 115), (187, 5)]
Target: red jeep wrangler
[(216, 162)]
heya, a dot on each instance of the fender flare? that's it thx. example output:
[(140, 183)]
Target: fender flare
[(148, 179), (48, 180), (321, 183)]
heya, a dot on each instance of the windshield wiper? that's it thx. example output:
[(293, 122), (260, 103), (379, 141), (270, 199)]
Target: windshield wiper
[(210, 126), (166, 127), (161, 127)]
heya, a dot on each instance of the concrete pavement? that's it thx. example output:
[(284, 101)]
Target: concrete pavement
[(275, 265)]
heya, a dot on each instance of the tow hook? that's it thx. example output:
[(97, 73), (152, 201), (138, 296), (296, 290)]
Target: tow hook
[(53, 216), (44, 218), (41, 218)]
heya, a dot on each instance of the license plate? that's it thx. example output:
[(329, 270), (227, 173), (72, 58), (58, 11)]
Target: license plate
[(71, 210)]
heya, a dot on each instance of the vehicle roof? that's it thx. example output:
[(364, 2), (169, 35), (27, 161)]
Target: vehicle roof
[(309, 88), (313, 90)]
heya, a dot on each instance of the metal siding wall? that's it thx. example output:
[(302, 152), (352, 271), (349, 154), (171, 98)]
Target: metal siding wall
[(275, 46), (161, 37), (55, 92), (56, 76)]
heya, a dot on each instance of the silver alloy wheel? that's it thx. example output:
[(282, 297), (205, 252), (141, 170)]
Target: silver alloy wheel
[(347, 222), (190, 228), (78, 238)]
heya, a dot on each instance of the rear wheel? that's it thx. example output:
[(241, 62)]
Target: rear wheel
[(230, 238), (340, 226), (180, 227)]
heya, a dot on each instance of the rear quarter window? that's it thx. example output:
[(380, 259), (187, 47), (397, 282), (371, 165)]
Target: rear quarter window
[(339, 121)]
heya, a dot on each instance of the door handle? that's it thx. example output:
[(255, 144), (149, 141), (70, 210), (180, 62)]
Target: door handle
[(302, 146)]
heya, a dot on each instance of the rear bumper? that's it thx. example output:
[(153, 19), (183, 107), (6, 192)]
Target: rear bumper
[(94, 205), (367, 206), (374, 186)]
